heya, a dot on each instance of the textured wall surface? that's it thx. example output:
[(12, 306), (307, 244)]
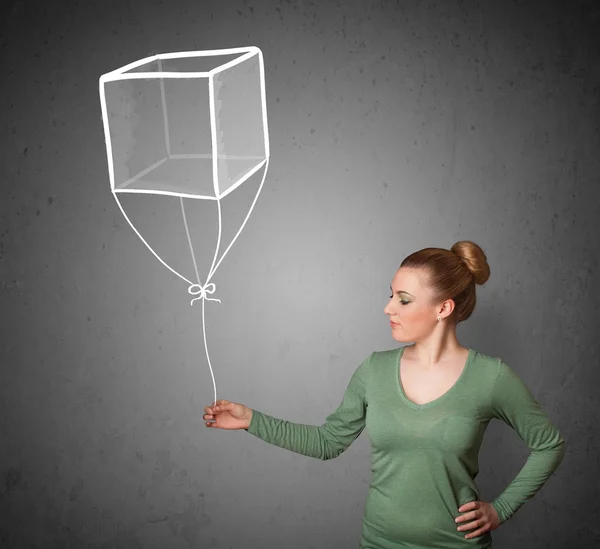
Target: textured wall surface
[(394, 126)]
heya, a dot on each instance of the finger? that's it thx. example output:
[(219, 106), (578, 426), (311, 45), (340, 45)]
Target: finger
[(467, 516), (479, 532), (469, 526), (468, 506)]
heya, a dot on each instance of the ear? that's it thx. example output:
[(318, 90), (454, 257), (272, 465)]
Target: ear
[(447, 307)]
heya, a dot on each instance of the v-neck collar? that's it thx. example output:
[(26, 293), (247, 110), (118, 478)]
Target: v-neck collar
[(431, 403)]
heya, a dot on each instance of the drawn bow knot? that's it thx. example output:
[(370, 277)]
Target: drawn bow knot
[(201, 291)]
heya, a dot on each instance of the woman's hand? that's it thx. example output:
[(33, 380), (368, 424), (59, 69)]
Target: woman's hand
[(228, 415), (482, 515)]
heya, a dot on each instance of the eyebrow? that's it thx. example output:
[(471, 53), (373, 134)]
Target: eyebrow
[(402, 292)]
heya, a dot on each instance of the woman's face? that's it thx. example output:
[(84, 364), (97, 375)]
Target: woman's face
[(410, 306)]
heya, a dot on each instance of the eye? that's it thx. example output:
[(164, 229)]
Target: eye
[(404, 302)]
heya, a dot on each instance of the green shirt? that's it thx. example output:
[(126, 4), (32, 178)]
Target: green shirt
[(424, 458)]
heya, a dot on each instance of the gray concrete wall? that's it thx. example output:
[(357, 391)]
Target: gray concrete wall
[(394, 126)]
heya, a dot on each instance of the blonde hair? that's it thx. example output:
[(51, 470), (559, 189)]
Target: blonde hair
[(452, 274)]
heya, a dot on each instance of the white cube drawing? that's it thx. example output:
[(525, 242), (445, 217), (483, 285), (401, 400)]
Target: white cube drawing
[(187, 124)]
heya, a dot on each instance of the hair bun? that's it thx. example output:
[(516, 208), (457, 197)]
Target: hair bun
[(474, 258)]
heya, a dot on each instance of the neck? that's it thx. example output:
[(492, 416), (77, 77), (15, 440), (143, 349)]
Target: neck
[(440, 347)]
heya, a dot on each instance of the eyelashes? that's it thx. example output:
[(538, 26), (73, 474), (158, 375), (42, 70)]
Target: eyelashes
[(404, 302)]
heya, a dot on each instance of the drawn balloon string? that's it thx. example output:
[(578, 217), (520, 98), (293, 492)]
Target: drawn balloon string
[(153, 91)]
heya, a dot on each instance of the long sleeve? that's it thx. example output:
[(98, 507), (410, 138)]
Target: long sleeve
[(328, 440), (513, 403)]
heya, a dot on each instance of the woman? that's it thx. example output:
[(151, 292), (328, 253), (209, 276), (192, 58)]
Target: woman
[(426, 406)]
